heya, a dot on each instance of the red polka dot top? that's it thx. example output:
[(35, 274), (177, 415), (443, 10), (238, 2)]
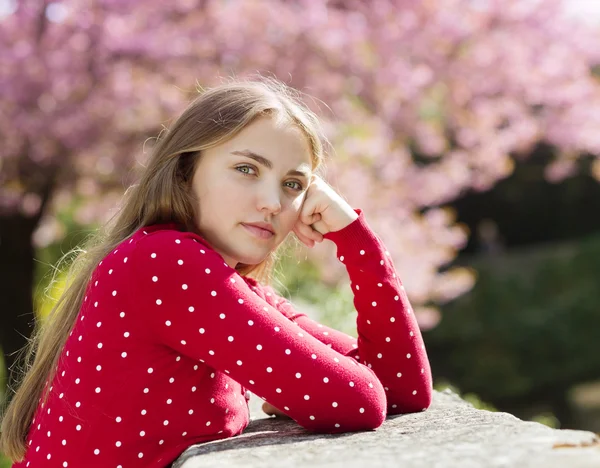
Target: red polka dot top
[(170, 339)]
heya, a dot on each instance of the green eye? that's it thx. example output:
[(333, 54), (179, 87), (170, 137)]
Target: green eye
[(246, 172), (298, 185)]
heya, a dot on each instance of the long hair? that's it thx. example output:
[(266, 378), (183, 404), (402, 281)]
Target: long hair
[(163, 194)]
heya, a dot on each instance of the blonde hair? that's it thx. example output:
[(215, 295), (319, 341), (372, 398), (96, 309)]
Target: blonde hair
[(163, 194)]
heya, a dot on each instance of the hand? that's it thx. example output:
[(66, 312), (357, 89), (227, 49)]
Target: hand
[(323, 211), (271, 410)]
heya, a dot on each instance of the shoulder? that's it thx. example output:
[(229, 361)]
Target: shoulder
[(170, 244)]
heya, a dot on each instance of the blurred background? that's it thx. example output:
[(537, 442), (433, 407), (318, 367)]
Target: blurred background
[(467, 130)]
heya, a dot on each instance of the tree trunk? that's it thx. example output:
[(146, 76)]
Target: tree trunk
[(17, 319)]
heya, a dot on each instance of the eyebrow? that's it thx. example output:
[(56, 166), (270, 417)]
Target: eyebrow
[(267, 163)]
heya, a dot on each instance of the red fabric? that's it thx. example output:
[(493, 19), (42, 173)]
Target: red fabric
[(169, 338)]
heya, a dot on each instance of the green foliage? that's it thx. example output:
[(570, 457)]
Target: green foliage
[(528, 329)]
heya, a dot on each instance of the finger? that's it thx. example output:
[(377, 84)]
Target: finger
[(309, 219), (305, 240), (309, 232)]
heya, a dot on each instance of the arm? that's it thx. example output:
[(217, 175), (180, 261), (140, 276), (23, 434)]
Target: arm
[(389, 340), (232, 329)]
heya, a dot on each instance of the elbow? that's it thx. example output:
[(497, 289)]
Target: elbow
[(365, 412)]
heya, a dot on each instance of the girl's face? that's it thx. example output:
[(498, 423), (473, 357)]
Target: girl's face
[(259, 176)]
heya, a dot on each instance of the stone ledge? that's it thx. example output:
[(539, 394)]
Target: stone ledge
[(451, 433)]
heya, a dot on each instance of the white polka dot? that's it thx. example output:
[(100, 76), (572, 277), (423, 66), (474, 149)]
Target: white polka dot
[(374, 303), (99, 324), (221, 316), (298, 375), (362, 252), (314, 356), (184, 286), (153, 255), (278, 390), (362, 410), (99, 345), (379, 355), (150, 370), (307, 397), (98, 389), (118, 443), (77, 381), (341, 258), (122, 314), (408, 356), (392, 319), (201, 330), (144, 412), (312, 418), (414, 392), (169, 401), (166, 422), (287, 351), (230, 338), (325, 379), (213, 293), (269, 369), (208, 423), (239, 363), (396, 298), (259, 347), (142, 433), (241, 301), (78, 427), (140, 455), (191, 308), (207, 271), (118, 419), (337, 425), (334, 404), (387, 339), (158, 302), (399, 374), (126, 334), (124, 354)]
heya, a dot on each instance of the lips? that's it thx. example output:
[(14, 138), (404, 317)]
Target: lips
[(259, 232)]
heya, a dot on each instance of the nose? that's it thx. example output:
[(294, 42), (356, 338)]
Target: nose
[(269, 201)]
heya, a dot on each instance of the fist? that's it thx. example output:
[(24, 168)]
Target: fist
[(323, 211)]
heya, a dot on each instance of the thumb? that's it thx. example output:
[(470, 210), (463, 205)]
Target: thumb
[(309, 219)]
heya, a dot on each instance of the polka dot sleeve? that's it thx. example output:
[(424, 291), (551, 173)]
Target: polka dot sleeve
[(389, 340), (197, 305)]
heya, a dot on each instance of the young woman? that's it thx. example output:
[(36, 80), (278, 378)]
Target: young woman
[(170, 321)]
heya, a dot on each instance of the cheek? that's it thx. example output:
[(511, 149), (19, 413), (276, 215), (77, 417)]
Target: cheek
[(292, 213)]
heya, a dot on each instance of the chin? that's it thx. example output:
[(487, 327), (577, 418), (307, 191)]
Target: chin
[(251, 259)]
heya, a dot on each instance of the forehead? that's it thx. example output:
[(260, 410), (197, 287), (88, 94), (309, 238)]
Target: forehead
[(283, 143)]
